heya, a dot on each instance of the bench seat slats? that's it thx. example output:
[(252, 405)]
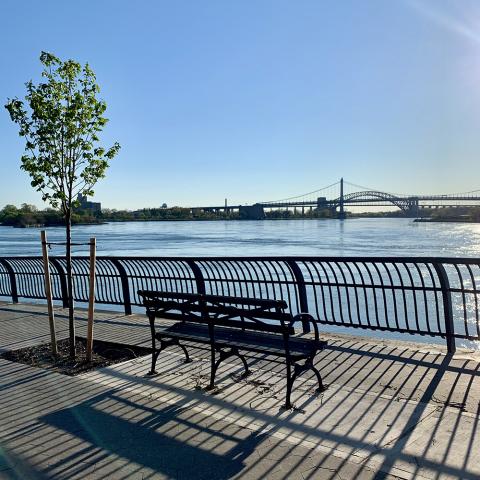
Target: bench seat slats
[(244, 340), (247, 324)]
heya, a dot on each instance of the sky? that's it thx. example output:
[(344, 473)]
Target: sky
[(258, 100)]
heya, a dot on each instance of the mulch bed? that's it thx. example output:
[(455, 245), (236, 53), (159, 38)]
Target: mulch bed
[(104, 354)]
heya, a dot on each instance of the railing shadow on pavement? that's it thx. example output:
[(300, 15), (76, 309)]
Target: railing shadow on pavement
[(102, 427), (51, 421)]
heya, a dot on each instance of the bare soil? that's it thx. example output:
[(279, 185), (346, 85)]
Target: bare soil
[(104, 354)]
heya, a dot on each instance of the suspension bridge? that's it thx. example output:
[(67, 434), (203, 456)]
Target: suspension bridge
[(339, 195)]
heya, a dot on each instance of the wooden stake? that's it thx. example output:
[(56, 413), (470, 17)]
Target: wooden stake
[(91, 298), (48, 292)]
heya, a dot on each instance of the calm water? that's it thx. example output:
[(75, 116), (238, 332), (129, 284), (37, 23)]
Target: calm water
[(373, 236), (356, 237)]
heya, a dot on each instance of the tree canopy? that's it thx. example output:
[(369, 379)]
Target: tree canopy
[(60, 119)]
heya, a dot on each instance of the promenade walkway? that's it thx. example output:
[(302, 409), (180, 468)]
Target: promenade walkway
[(392, 410)]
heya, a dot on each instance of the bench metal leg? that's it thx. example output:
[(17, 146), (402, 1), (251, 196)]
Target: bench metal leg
[(213, 369), (321, 387), (233, 352), (185, 351), (245, 364), (164, 344), (155, 355), (155, 352), (290, 380), (298, 370), (213, 373)]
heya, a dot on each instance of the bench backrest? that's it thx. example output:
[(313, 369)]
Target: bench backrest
[(262, 315)]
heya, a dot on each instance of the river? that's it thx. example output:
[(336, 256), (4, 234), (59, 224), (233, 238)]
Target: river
[(352, 237)]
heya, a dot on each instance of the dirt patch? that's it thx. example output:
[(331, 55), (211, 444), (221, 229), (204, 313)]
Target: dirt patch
[(104, 354)]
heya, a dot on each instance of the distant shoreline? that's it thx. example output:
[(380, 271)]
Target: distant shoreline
[(354, 217), (161, 220), (445, 220)]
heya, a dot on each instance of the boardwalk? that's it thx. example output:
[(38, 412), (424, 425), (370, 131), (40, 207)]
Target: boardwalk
[(391, 411)]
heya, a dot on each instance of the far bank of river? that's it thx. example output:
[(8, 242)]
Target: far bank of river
[(445, 220)]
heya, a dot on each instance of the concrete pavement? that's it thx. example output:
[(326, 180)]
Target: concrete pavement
[(392, 410)]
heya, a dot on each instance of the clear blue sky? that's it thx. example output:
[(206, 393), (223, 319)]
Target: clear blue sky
[(257, 100)]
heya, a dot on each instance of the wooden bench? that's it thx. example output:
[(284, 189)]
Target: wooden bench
[(231, 325)]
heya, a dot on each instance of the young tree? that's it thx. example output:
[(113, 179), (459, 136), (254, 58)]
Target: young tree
[(60, 120)]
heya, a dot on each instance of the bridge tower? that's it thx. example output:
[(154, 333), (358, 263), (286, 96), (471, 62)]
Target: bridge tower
[(341, 213), (413, 210)]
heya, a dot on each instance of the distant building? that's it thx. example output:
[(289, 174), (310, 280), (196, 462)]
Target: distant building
[(92, 207)]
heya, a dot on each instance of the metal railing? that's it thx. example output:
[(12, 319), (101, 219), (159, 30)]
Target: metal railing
[(437, 297)]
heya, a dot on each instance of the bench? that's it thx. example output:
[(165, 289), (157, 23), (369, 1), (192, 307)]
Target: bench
[(230, 326)]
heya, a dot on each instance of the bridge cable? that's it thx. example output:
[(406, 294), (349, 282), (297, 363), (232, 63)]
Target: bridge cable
[(300, 196)]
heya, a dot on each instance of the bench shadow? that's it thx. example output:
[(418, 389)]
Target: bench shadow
[(166, 440)]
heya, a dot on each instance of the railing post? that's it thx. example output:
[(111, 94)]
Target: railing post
[(197, 273), (13, 280), (302, 291), (127, 303), (447, 306), (63, 280)]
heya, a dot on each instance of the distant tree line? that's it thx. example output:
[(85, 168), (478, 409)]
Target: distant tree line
[(29, 216)]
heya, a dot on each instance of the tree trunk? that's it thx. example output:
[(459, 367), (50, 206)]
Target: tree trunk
[(71, 317)]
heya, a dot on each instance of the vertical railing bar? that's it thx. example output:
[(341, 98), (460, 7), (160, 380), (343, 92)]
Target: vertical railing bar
[(402, 289), (197, 273), (247, 274), (434, 284), (414, 294), (367, 309), (324, 305), (464, 298), (127, 304), (63, 280), (272, 281), (259, 271), (210, 278), (384, 296), (355, 291), (346, 289), (447, 306), (13, 280), (281, 265), (334, 318), (373, 290), (302, 291), (394, 293), (234, 278), (474, 287), (424, 296), (339, 294)]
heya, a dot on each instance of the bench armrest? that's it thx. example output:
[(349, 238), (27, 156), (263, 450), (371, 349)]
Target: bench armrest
[(306, 318)]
